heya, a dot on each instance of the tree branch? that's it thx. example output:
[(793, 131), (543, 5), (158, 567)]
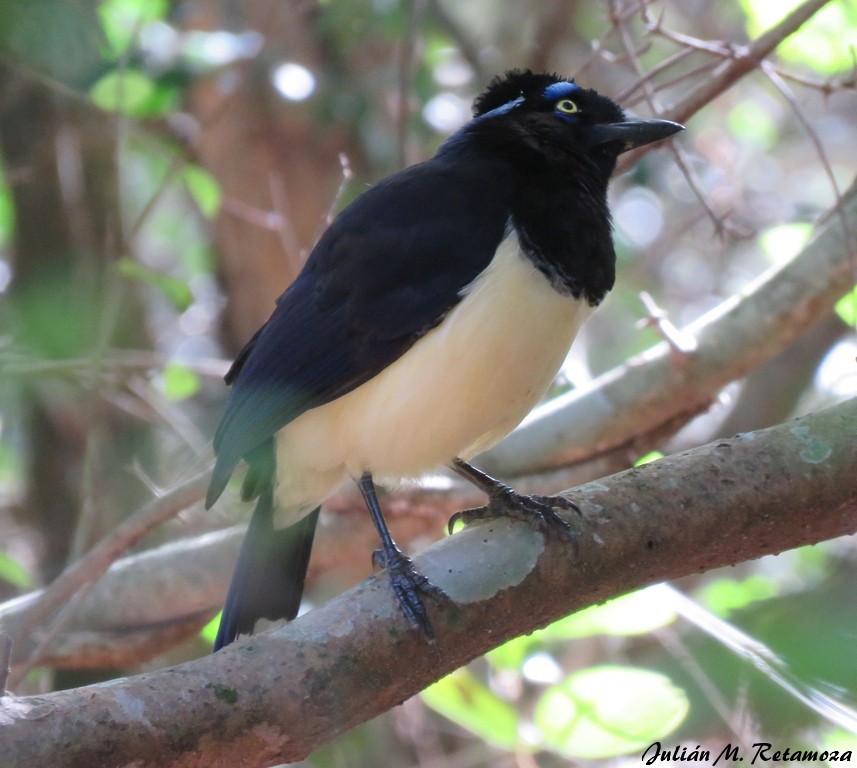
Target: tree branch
[(86, 571), (277, 696), (745, 60), (742, 61), (124, 617)]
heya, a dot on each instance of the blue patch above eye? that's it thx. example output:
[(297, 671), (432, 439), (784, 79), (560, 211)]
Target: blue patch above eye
[(560, 90)]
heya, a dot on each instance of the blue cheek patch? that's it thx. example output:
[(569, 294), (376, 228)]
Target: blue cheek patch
[(557, 91)]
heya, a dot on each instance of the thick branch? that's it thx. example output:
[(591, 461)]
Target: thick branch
[(279, 695)]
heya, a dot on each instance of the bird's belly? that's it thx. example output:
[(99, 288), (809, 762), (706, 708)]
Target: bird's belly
[(459, 389)]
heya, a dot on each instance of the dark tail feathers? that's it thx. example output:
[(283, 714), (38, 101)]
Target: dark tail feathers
[(269, 577)]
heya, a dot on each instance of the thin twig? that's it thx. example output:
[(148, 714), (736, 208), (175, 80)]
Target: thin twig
[(289, 240), (744, 61), (721, 225), (685, 658), (599, 46), (794, 103), (826, 87), (724, 50), (270, 220), (347, 174), (646, 77), (762, 658), (173, 415), (115, 359), (680, 342), (47, 636), (404, 73)]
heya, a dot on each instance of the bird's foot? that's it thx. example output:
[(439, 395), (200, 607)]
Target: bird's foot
[(407, 583), (503, 501)]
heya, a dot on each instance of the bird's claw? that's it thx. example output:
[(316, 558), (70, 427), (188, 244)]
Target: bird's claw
[(407, 584), (541, 510)]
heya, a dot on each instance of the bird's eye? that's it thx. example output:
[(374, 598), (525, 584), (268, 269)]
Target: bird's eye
[(567, 106)]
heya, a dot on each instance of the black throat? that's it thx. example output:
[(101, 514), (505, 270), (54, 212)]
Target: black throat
[(563, 225), (557, 203)]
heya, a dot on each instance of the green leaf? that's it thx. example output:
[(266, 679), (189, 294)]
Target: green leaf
[(785, 241), (203, 188), (846, 308), (209, 632), (178, 292), (198, 258), (10, 465), (823, 43), (511, 654), (179, 382), (648, 458), (62, 39), (750, 122), (122, 20), (462, 698), (13, 572), (608, 711), (127, 91), (634, 614), (7, 211), (723, 596)]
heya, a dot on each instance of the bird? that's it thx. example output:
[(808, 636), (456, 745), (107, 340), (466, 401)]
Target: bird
[(430, 317)]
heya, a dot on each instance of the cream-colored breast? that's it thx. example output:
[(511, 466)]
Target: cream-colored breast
[(456, 392)]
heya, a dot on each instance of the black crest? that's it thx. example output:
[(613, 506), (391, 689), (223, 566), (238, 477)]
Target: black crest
[(512, 85)]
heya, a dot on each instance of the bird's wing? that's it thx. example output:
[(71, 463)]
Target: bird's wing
[(389, 268)]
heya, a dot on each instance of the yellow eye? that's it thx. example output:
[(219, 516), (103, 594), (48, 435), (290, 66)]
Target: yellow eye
[(567, 106)]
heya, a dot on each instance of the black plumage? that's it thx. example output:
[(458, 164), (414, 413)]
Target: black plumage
[(330, 333), (531, 169)]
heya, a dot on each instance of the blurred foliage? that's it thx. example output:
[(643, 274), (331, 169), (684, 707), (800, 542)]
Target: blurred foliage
[(608, 711), (13, 572), (826, 43), (384, 83)]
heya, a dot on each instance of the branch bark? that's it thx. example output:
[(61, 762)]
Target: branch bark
[(277, 696)]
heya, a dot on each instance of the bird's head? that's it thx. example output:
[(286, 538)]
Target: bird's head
[(550, 117)]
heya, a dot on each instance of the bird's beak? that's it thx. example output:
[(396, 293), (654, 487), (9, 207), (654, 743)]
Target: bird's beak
[(632, 132)]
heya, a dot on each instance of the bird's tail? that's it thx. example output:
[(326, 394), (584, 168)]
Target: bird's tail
[(269, 577)]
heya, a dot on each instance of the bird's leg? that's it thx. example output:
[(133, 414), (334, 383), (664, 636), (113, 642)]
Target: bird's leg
[(504, 501), (407, 582)]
